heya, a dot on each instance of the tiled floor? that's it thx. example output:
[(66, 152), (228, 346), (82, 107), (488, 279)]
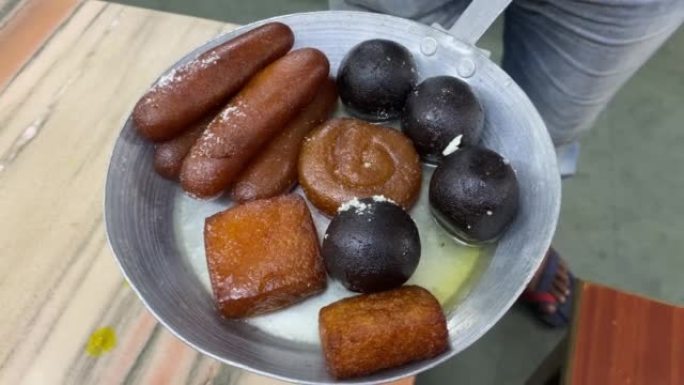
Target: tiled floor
[(621, 222)]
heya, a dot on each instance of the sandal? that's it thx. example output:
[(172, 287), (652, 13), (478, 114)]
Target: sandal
[(541, 295)]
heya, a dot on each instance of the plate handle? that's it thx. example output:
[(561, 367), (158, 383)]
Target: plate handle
[(476, 19)]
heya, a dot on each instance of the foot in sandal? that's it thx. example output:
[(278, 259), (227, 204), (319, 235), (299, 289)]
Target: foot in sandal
[(550, 292)]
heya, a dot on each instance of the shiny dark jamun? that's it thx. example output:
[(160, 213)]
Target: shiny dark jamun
[(437, 111), (374, 79), (474, 194), (371, 245)]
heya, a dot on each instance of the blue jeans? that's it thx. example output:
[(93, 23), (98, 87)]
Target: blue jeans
[(569, 56)]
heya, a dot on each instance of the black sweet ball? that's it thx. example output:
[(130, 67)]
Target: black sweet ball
[(437, 111), (374, 79), (474, 194), (371, 245)]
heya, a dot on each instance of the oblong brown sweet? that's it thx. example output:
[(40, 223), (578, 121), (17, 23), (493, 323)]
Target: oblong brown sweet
[(252, 118), (370, 332), (187, 93), (169, 155), (349, 158), (263, 256), (274, 170)]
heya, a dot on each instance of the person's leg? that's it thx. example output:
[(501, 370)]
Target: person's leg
[(571, 57)]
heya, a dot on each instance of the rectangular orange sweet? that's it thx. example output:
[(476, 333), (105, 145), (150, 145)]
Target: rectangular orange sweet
[(370, 332), (262, 256)]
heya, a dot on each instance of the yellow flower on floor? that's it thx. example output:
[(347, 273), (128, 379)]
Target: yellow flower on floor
[(101, 341)]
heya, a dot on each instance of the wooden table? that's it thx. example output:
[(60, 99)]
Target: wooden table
[(70, 73), (618, 338)]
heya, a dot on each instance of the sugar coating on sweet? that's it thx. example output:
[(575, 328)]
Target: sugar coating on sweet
[(453, 145), (382, 198), (233, 110), (171, 77), (175, 76), (209, 141), (208, 60), (361, 207), (366, 164), (355, 204), (225, 114)]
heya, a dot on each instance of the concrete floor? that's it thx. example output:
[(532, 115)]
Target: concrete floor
[(621, 220)]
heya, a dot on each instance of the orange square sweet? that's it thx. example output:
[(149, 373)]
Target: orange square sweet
[(262, 256)]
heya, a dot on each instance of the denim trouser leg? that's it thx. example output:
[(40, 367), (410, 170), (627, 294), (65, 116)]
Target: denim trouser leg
[(569, 56)]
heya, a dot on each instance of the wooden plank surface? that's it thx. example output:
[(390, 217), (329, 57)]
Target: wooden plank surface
[(622, 339), (58, 280), (67, 315), (24, 27)]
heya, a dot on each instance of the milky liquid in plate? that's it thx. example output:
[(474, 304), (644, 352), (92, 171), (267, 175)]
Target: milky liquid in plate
[(445, 265)]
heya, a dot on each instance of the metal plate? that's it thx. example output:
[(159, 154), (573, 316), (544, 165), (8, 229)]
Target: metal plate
[(150, 237)]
